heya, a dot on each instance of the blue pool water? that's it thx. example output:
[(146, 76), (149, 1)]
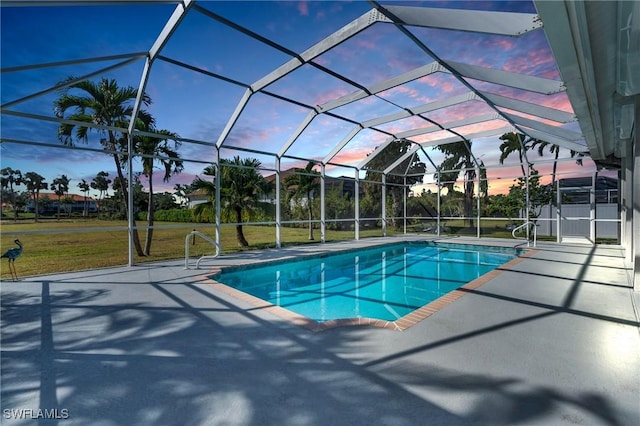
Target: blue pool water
[(383, 282)]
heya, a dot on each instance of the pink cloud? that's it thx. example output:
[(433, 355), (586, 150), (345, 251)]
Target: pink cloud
[(303, 8), (539, 62), (365, 43), (330, 95)]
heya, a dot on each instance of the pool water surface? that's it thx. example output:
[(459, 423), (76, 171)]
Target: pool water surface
[(383, 282)]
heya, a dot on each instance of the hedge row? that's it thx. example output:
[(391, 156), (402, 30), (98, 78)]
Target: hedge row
[(173, 215)]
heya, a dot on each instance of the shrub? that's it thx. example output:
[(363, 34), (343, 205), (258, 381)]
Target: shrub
[(172, 215)]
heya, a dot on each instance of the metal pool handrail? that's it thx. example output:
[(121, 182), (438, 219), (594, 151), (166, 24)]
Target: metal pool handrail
[(535, 234), (188, 239)]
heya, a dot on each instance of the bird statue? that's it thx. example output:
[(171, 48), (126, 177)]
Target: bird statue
[(12, 254)]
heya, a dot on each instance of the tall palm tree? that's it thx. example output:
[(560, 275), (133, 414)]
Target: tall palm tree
[(84, 187), (8, 178), (511, 143), (60, 187), (458, 157), (101, 184), (302, 185), (34, 183), (164, 152), (240, 188), (103, 103)]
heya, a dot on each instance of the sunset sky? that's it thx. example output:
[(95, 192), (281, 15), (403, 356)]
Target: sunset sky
[(197, 106)]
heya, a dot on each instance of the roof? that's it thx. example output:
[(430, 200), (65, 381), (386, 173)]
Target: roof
[(53, 196)]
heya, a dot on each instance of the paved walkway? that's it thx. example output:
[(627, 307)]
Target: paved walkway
[(552, 340)]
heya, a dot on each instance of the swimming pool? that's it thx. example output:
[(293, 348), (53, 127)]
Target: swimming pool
[(383, 282)]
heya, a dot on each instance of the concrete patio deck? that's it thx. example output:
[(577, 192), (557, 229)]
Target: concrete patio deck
[(552, 340)]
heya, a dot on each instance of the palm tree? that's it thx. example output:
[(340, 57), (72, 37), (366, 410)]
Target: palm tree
[(208, 187), (458, 157), (60, 187), (34, 183), (240, 188), (84, 187), (513, 142), (302, 185), (101, 184), (412, 168), (161, 150), (8, 178), (106, 104), (541, 145)]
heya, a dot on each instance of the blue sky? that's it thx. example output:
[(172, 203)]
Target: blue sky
[(197, 107)]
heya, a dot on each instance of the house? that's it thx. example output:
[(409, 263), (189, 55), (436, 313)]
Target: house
[(197, 197), (69, 203), (344, 184)]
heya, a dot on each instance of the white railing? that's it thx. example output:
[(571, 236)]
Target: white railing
[(524, 225), (187, 243)]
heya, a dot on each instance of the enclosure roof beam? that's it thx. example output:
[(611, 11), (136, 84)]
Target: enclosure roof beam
[(477, 21), (557, 140), (336, 149), (543, 127), (530, 83), (415, 74), (431, 106), (305, 123), (476, 135), (319, 48), (400, 159), (529, 108)]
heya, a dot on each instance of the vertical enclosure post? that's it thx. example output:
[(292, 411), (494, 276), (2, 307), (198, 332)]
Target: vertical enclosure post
[(356, 197), (384, 205), (404, 198), (438, 219), (278, 208), (558, 212), (592, 208), (323, 222), (218, 178), (478, 201), (130, 213)]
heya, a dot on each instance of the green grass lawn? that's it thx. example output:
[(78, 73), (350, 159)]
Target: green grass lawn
[(68, 245), (52, 246)]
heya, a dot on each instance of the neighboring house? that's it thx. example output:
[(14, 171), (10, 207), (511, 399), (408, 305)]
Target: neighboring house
[(345, 184), (197, 197), (48, 203)]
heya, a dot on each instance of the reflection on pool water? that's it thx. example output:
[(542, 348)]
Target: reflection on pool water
[(383, 282)]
